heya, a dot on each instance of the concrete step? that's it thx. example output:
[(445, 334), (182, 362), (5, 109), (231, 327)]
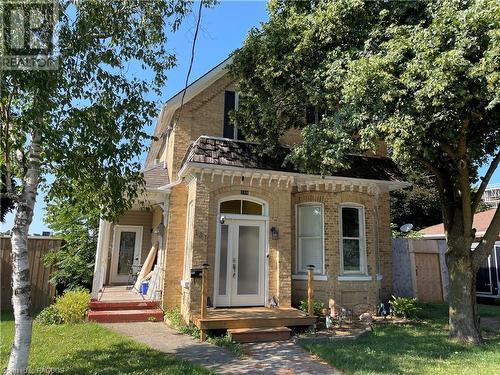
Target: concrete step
[(123, 305), (125, 316), (259, 334)]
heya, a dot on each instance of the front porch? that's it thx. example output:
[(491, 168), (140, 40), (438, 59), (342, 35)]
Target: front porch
[(252, 317), (122, 304)]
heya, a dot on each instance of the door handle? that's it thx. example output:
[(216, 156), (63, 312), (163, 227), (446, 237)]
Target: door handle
[(234, 268)]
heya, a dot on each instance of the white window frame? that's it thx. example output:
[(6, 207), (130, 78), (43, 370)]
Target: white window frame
[(236, 105), (188, 248), (362, 240), (298, 269)]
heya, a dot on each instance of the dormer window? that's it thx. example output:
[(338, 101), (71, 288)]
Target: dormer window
[(230, 104)]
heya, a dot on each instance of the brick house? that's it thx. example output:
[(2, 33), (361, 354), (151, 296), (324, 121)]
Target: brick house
[(256, 221)]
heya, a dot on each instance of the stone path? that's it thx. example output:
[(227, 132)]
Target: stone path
[(279, 358)]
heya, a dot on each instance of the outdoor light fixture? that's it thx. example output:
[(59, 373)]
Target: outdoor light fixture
[(274, 233), (222, 219)]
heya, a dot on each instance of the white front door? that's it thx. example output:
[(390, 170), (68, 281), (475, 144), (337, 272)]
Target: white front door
[(126, 252), (240, 264)]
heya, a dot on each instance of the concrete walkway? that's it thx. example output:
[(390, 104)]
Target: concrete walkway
[(280, 358)]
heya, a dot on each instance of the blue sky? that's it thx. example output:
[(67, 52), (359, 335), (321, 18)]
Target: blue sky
[(223, 29)]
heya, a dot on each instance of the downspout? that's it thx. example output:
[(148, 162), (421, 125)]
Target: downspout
[(100, 258), (163, 244), (378, 275)]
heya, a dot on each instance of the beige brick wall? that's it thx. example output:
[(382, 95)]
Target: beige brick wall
[(207, 197), (174, 249), (348, 293), (204, 115)]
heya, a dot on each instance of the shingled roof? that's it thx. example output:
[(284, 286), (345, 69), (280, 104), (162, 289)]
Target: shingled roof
[(156, 176), (231, 153)]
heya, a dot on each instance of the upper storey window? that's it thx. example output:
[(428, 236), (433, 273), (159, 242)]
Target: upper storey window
[(230, 104)]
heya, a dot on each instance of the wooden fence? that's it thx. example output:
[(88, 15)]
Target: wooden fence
[(42, 292), (419, 269)]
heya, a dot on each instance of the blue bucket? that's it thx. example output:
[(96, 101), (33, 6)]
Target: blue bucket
[(144, 288)]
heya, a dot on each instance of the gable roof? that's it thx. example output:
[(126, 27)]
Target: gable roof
[(171, 105), (231, 153), (200, 84), (155, 177), (481, 222)]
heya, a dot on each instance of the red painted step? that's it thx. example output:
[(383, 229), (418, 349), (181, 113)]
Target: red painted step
[(125, 316), (123, 305)]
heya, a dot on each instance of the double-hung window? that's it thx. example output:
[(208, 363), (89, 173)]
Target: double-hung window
[(310, 244), (231, 131), (352, 239)]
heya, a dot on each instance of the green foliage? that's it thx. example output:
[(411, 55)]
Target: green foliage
[(90, 348), (412, 348), (176, 320), (73, 305), (73, 263), (404, 307), (419, 205), (396, 233), (225, 342), (318, 307), (410, 73), (48, 316), (90, 112), (422, 76)]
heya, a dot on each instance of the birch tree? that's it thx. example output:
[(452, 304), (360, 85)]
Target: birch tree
[(81, 123), (421, 76)]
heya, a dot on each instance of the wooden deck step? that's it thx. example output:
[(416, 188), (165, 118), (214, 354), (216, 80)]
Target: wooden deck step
[(253, 317), (259, 334), (123, 305), (125, 316)]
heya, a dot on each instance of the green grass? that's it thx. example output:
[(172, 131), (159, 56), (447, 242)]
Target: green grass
[(419, 348), (88, 348)]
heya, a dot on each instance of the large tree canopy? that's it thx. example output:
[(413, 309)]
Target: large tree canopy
[(82, 123), (421, 76)]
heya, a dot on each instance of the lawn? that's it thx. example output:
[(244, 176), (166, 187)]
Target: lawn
[(88, 348), (419, 348)]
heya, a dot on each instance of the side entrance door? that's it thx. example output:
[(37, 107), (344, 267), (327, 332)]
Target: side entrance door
[(488, 277), (428, 272), (240, 264), (126, 253)]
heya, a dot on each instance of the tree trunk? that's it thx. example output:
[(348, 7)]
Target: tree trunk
[(21, 285), (463, 314)]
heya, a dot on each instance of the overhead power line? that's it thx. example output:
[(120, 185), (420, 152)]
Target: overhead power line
[(193, 48)]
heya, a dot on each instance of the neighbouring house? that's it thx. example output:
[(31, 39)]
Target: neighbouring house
[(488, 276), (256, 221)]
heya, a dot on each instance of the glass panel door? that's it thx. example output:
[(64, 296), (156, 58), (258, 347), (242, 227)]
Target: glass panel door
[(223, 259), (126, 252), (240, 264), (248, 260)]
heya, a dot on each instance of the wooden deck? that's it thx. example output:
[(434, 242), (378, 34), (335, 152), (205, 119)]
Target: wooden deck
[(253, 317)]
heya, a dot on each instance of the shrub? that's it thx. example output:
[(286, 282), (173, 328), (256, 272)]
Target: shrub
[(318, 307), (175, 318), (72, 306), (404, 307), (225, 342), (49, 315)]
